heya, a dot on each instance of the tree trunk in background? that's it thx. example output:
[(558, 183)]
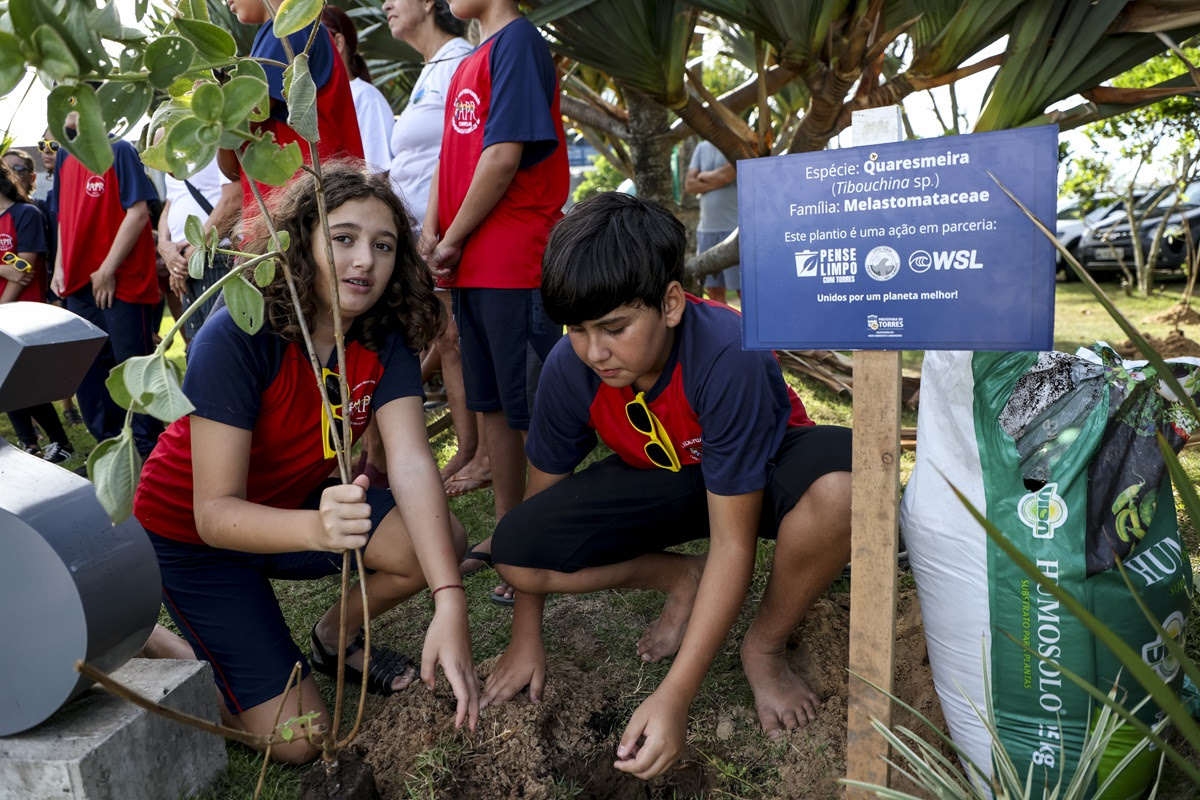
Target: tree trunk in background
[(650, 145)]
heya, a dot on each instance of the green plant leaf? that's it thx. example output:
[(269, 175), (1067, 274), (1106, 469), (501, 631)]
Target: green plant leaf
[(113, 468), (301, 94), (207, 102), (240, 97), (193, 10), (281, 241), (115, 383), (286, 733), (106, 23), (12, 63), (245, 304), (295, 15), (90, 143), (164, 397), (212, 43), (185, 153), (123, 104), (54, 56), (197, 261), (264, 272), (193, 229), (130, 59), (249, 69), (167, 58), (79, 35), (209, 134), (266, 162)]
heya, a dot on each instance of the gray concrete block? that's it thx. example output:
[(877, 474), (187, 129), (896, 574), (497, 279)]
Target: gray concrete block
[(100, 748)]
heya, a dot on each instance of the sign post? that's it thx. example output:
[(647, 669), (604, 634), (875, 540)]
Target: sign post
[(882, 247)]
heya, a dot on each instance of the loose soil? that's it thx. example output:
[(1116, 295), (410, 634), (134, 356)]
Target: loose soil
[(565, 746), (1175, 345), (1177, 315)]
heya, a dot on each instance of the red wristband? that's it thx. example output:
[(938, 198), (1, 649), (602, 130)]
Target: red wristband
[(447, 586)]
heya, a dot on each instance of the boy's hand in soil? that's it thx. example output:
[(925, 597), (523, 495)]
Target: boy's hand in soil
[(345, 517), (522, 664), (448, 642), (660, 723)]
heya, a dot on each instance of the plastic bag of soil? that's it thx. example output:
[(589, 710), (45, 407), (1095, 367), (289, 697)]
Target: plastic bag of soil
[(1059, 452)]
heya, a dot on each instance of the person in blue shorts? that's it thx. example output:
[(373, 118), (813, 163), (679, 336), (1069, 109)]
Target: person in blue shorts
[(236, 493), (708, 440)]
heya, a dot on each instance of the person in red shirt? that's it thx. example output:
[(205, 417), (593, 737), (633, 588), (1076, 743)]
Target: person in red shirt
[(106, 271), (22, 277), (336, 118)]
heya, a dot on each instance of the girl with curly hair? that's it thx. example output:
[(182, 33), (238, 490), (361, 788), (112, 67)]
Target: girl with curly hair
[(236, 493)]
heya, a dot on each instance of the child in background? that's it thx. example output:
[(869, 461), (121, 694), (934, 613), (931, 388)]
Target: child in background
[(236, 494), (375, 118), (500, 185), (709, 441)]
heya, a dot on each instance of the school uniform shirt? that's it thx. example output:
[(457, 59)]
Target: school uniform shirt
[(337, 120), (505, 91), (22, 230), (90, 210), (264, 383), (722, 407), (375, 121), (417, 134)]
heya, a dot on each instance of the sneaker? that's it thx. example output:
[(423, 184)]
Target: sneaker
[(55, 453), (32, 449), (72, 417)]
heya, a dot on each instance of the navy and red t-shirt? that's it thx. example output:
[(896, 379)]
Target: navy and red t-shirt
[(90, 210), (505, 91), (337, 120), (264, 383), (723, 407), (22, 230)]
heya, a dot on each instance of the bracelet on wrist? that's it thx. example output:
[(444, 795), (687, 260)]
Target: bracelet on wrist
[(447, 586)]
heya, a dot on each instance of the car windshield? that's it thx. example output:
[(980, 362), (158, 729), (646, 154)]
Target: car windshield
[(1102, 211), (1160, 201)]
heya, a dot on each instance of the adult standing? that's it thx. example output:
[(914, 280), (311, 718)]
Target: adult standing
[(105, 270), (430, 28), (375, 118), (217, 202), (712, 177)]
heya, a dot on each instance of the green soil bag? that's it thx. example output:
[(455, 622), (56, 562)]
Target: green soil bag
[(1059, 452)]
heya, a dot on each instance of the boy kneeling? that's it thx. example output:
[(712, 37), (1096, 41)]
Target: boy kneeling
[(709, 440)]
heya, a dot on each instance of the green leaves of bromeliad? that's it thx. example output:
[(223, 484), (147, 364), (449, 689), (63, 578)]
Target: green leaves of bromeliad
[(167, 58), (301, 94), (149, 385), (295, 15), (113, 467), (266, 162), (245, 304), (90, 143)]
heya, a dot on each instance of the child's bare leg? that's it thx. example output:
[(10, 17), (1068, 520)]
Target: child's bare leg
[(812, 548), (466, 429), (676, 574), (478, 471), (261, 718), (506, 448)]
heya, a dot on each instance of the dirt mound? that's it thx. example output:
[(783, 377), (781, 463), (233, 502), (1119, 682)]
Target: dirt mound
[(1175, 345), (564, 746), (1177, 315)]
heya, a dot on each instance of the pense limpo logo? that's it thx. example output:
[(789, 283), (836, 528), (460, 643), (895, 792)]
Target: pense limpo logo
[(806, 263), (920, 261), (466, 111)]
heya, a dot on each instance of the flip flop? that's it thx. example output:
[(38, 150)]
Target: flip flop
[(469, 485), (477, 555), (501, 600)]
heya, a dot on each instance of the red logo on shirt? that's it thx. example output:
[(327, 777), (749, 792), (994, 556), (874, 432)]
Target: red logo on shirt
[(94, 186), (465, 119), (6, 242)]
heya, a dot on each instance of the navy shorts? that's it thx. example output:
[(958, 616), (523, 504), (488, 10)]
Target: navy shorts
[(505, 337), (223, 604), (611, 512)]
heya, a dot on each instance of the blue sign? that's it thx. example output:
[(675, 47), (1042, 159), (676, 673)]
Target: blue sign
[(901, 246)]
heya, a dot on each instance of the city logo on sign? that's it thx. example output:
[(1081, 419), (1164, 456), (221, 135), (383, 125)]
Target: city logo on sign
[(885, 326), (953, 259), (1043, 511), (920, 261), (873, 322), (94, 186), (806, 264), (465, 118), (883, 263)]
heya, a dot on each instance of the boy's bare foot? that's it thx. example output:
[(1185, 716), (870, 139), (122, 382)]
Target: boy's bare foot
[(782, 698), (663, 636), (456, 463)]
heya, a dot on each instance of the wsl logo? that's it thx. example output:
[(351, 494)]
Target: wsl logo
[(920, 261), (1043, 511)]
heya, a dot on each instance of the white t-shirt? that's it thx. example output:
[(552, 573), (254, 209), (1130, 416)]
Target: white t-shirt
[(417, 137), (207, 181), (375, 122)]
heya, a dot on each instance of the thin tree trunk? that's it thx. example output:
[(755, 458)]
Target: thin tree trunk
[(650, 147)]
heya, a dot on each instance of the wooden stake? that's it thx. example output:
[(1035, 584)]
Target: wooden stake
[(875, 500)]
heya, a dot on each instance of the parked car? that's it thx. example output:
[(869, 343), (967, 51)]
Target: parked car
[(1102, 247), (1072, 227)]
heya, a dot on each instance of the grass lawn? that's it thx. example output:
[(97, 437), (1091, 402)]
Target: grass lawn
[(617, 619)]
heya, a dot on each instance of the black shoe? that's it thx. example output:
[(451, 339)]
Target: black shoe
[(55, 453), (32, 449)]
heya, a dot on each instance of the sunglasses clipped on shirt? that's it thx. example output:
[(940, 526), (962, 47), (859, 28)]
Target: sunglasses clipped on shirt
[(333, 390), (659, 449), (16, 262), (48, 144)]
